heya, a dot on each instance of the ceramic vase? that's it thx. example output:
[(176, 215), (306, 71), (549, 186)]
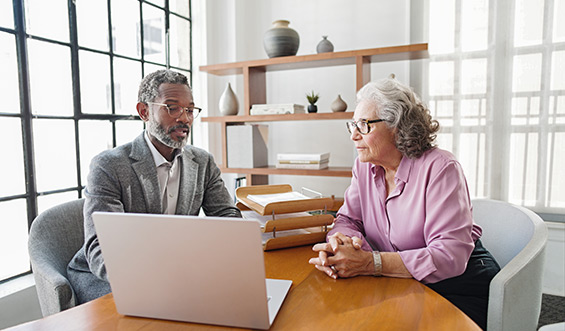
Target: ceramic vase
[(228, 102), (280, 40), (338, 104), (325, 46)]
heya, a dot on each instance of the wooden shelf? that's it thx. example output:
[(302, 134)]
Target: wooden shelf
[(381, 54), (272, 170), (277, 118)]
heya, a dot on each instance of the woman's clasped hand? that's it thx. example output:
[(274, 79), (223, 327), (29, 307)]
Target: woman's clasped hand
[(342, 256)]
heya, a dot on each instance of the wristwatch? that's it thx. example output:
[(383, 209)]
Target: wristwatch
[(377, 262)]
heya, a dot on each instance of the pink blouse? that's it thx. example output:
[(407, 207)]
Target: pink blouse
[(427, 218)]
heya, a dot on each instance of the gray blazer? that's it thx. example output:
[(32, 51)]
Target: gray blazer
[(124, 179)]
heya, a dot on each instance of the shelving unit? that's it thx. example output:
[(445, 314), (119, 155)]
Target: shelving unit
[(254, 89)]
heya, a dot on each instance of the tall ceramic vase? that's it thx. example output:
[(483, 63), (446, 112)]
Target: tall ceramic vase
[(280, 40), (228, 102)]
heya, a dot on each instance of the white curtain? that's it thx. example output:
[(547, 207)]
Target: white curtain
[(495, 80)]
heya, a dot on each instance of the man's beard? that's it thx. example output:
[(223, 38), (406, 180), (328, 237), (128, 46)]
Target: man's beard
[(165, 137)]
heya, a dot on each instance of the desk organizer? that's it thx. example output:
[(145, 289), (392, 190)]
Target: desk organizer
[(315, 226)]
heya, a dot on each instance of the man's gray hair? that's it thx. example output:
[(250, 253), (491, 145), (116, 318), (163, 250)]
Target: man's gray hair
[(149, 87), (402, 110)]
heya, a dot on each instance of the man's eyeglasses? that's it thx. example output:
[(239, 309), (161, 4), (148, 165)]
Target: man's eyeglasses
[(175, 111), (361, 125)]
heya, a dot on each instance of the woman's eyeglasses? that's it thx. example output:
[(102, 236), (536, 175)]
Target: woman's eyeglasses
[(361, 125)]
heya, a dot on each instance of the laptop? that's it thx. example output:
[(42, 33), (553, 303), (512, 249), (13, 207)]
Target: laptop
[(189, 268)]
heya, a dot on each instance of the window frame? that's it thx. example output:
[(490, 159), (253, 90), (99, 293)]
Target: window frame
[(26, 116)]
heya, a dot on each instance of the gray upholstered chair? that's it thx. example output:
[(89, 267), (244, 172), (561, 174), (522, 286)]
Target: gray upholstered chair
[(517, 238), (54, 238)]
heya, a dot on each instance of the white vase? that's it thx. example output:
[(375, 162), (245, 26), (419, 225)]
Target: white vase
[(228, 102), (338, 104)]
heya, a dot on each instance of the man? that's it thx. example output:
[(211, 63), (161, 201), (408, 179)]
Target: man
[(156, 173)]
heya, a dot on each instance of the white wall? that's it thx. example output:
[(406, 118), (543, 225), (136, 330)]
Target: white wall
[(350, 25)]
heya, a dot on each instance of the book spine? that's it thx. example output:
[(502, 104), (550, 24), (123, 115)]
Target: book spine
[(303, 157), (301, 161), (301, 166)]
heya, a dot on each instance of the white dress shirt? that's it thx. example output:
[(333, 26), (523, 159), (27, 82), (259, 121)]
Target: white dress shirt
[(168, 174)]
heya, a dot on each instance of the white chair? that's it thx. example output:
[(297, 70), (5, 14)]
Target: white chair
[(516, 237)]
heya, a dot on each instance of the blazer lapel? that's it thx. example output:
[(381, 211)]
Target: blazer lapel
[(144, 167), (188, 181)]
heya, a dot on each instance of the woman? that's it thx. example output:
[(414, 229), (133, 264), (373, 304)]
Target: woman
[(407, 212)]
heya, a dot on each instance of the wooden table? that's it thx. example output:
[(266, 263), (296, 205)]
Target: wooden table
[(315, 302)]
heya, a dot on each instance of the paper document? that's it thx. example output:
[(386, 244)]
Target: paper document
[(264, 199), (253, 215)]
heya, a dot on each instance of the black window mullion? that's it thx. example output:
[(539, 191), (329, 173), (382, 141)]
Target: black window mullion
[(112, 87), (26, 113), (75, 72)]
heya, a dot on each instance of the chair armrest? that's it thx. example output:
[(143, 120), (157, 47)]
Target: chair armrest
[(517, 288), (47, 281)]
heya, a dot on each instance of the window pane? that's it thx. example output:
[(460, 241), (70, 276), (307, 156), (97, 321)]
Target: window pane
[(441, 78), (45, 202), (149, 68), (558, 71), (442, 26), (474, 76), (442, 111), (49, 19), (154, 34), (127, 131), (55, 161), (127, 76), (95, 85), (95, 137), (50, 78), (526, 75), (522, 174), (126, 36), (13, 238), (180, 42), (472, 161), (473, 112), (92, 20), (556, 183), (558, 22), (528, 25), (180, 7), (9, 83), (474, 25), (7, 14), (12, 174)]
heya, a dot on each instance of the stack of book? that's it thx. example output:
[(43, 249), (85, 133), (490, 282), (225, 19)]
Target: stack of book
[(273, 109), (303, 161)]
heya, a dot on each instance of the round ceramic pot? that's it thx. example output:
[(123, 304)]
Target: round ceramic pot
[(312, 108), (324, 46), (280, 40), (338, 105)]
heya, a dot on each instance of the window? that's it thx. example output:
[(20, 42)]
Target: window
[(69, 88), (496, 83)]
